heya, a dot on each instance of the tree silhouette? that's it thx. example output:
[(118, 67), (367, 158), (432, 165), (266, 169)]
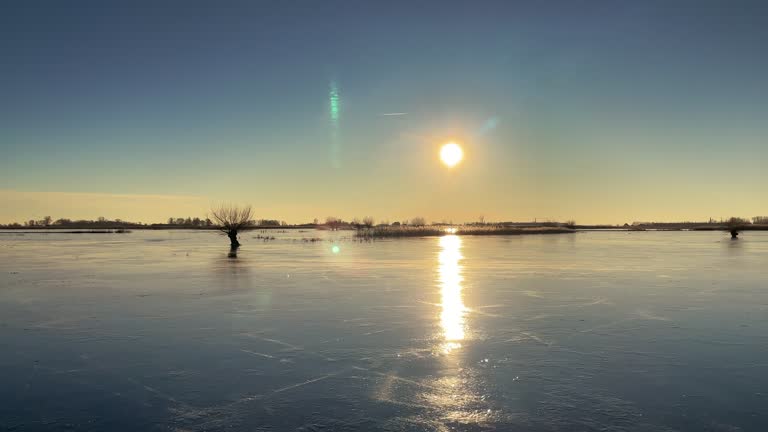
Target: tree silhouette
[(230, 219), (736, 224), (333, 222), (418, 221)]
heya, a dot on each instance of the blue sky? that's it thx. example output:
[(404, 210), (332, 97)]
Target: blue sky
[(604, 111)]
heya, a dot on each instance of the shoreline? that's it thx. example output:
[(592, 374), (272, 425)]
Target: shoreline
[(386, 231)]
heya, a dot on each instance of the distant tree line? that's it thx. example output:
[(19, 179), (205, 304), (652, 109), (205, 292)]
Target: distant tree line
[(102, 222), (331, 222), (49, 222), (190, 222), (207, 222), (336, 223), (712, 221)]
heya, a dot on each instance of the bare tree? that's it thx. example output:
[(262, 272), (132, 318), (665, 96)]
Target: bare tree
[(418, 221), (230, 219), (736, 224), (333, 222), (368, 221)]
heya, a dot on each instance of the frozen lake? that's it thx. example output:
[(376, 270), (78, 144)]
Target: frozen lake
[(159, 330)]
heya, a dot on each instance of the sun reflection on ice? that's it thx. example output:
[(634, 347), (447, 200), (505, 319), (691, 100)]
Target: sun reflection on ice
[(453, 309)]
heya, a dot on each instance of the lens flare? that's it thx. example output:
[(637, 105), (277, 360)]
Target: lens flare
[(334, 111)]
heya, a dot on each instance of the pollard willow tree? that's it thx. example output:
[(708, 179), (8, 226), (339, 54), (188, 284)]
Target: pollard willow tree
[(230, 219)]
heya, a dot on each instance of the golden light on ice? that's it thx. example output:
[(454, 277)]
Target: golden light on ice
[(451, 154), (452, 305)]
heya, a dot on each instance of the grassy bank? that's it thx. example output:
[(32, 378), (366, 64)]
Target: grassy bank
[(430, 231)]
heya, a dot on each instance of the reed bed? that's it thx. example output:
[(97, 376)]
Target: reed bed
[(434, 231)]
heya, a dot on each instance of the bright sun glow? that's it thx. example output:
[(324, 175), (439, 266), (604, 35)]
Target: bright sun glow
[(451, 154)]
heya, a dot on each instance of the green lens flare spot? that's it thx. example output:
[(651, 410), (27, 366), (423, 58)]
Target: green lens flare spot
[(333, 97)]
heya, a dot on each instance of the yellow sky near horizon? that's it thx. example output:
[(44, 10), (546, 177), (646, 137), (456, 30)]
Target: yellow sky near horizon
[(23, 206), (20, 206)]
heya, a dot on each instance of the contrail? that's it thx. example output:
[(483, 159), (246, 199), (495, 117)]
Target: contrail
[(394, 114)]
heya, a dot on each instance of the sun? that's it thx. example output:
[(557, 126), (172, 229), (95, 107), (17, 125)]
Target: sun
[(451, 154)]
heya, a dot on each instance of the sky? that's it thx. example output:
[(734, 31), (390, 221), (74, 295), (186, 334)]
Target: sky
[(596, 111)]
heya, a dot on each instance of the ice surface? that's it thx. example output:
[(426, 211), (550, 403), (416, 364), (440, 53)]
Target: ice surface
[(159, 330)]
